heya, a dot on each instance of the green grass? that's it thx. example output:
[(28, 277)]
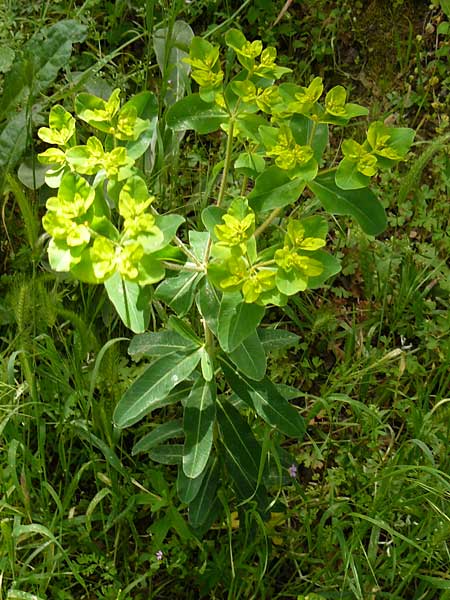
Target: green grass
[(367, 517)]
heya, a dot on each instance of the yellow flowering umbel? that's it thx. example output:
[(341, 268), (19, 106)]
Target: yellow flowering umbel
[(206, 71), (238, 227), (296, 260), (258, 283), (288, 154), (366, 162)]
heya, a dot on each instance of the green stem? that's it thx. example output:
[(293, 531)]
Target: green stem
[(273, 215), (266, 263), (209, 339), (313, 131), (244, 185), (179, 243), (227, 21), (186, 251), (325, 171), (184, 267), (227, 163), (226, 168)]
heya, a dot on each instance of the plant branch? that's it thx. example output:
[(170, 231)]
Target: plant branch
[(179, 243), (226, 168), (313, 131), (325, 171), (244, 185), (227, 163), (186, 251), (187, 266), (273, 215)]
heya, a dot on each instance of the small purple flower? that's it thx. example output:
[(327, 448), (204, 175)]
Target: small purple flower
[(293, 471), (159, 555)]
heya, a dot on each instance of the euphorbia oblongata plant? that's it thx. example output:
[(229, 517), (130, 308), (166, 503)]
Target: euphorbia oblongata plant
[(252, 250)]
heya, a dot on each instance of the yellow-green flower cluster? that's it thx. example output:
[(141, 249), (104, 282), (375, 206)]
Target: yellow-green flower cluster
[(365, 161), (265, 99), (383, 146), (66, 217), (281, 273), (306, 97), (288, 154), (235, 232), (257, 283), (84, 229), (107, 116), (91, 158), (206, 71), (294, 254)]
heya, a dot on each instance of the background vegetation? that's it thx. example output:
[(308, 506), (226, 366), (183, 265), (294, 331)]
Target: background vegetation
[(365, 514)]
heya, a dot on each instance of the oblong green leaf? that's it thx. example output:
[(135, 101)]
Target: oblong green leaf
[(188, 488), (13, 141), (43, 56), (169, 225), (178, 394), (168, 454), (170, 51), (192, 113), (207, 364), (348, 177), (239, 439), (206, 504), (212, 216), (178, 292), (445, 5), (159, 343), (308, 132), (198, 422), (182, 328), (31, 173), (153, 385), (208, 304), (264, 397), (237, 320), (277, 339), (136, 148), (363, 205), (250, 358), (242, 454), (131, 301), (275, 189), (331, 266), (158, 435), (250, 164)]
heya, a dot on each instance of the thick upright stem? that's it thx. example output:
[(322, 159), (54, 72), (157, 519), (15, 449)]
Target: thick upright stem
[(227, 163), (223, 183), (244, 185), (209, 339), (313, 131)]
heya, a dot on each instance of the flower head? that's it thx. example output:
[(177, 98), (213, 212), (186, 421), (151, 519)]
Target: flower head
[(293, 471), (159, 555)]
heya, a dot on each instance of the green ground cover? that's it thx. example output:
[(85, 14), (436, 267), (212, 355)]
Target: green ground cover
[(360, 506)]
